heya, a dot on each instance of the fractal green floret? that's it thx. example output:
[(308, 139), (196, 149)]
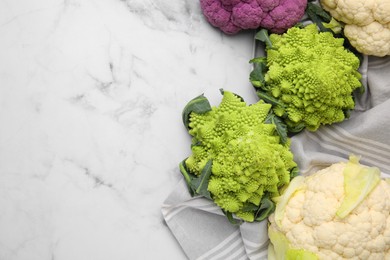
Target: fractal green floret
[(308, 76), (238, 158)]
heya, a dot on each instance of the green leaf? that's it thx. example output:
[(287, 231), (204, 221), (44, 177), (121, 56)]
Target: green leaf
[(250, 207), (231, 219), (188, 177), (359, 181), (279, 244), (197, 185), (269, 99), (259, 60), (267, 207), (199, 105), (261, 212), (318, 16), (334, 25), (319, 12), (299, 25), (263, 36), (296, 128), (201, 183), (257, 76), (294, 172), (281, 127)]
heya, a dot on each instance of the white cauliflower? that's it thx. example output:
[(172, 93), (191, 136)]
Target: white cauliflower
[(367, 23), (340, 212)]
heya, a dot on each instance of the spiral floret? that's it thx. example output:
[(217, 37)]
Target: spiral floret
[(312, 76), (248, 158)]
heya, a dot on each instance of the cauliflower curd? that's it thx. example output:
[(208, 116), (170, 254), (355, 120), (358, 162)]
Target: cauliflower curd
[(367, 23), (340, 212)]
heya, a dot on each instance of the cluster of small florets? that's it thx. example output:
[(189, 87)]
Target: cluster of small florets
[(339, 212), (247, 157), (232, 16), (312, 75)]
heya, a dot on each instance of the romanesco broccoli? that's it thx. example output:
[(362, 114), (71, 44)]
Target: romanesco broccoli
[(310, 77), (248, 160)]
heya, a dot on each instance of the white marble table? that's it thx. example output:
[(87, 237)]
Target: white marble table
[(91, 94)]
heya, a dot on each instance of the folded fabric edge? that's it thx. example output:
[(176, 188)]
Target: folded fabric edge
[(249, 240)]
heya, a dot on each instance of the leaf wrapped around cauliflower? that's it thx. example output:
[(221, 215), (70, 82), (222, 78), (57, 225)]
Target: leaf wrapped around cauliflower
[(339, 212), (248, 162), (308, 76)]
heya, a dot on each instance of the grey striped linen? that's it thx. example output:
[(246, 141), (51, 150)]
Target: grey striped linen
[(203, 231)]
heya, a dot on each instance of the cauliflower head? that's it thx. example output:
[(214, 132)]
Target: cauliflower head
[(340, 212), (248, 160), (312, 77), (367, 23), (232, 16)]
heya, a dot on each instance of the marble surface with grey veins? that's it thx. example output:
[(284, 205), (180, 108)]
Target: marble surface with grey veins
[(91, 94)]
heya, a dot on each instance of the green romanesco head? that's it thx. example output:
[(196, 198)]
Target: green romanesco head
[(312, 76), (248, 158)]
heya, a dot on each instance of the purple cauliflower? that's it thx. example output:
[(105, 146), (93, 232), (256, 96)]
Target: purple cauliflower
[(232, 16)]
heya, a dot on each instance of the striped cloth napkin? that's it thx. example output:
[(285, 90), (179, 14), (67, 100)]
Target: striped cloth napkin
[(204, 232)]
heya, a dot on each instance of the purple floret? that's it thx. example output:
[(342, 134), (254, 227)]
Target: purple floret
[(215, 13), (219, 16), (231, 16), (268, 5), (284, 16), (247, 15), (230, 2)]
